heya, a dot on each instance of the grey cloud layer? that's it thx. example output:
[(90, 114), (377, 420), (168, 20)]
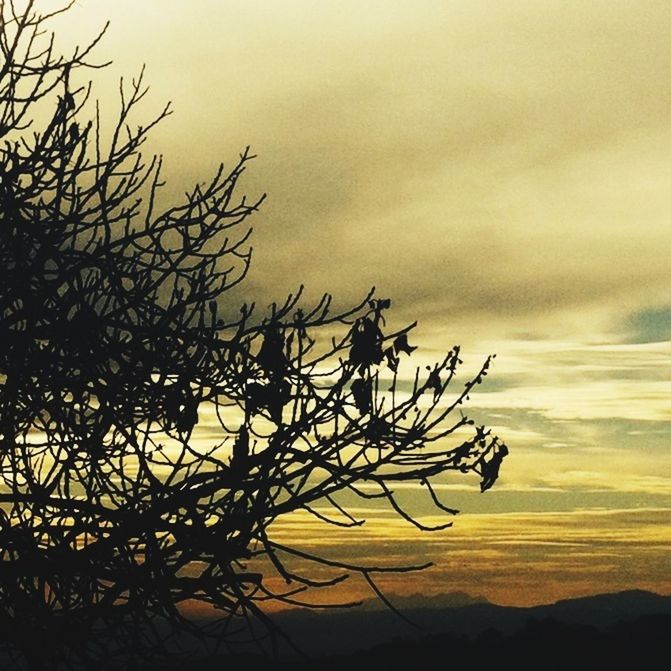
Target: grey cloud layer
[(490, 161)]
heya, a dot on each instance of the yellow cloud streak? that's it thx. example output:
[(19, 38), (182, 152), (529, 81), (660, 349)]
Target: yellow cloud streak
[(496, 555)]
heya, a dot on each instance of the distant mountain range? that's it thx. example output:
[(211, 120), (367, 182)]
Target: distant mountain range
[(629, 629), (422, 601), (458, 615)]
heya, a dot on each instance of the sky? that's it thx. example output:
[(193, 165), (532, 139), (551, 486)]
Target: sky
[(502, 172)]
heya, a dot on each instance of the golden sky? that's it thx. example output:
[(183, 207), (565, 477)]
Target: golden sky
[(502, 171)]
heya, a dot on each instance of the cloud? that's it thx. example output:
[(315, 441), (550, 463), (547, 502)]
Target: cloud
[(517, 558), (581, 381), (474, 162)]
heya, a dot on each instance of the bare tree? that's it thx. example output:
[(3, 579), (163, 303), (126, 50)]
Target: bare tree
[(115, 335)]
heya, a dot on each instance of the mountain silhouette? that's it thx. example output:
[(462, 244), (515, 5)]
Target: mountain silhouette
[(344, 632), (422, 601), (615, 630), (618, 630)]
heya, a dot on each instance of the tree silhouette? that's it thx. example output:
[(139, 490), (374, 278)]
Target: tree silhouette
[(115, 338)]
